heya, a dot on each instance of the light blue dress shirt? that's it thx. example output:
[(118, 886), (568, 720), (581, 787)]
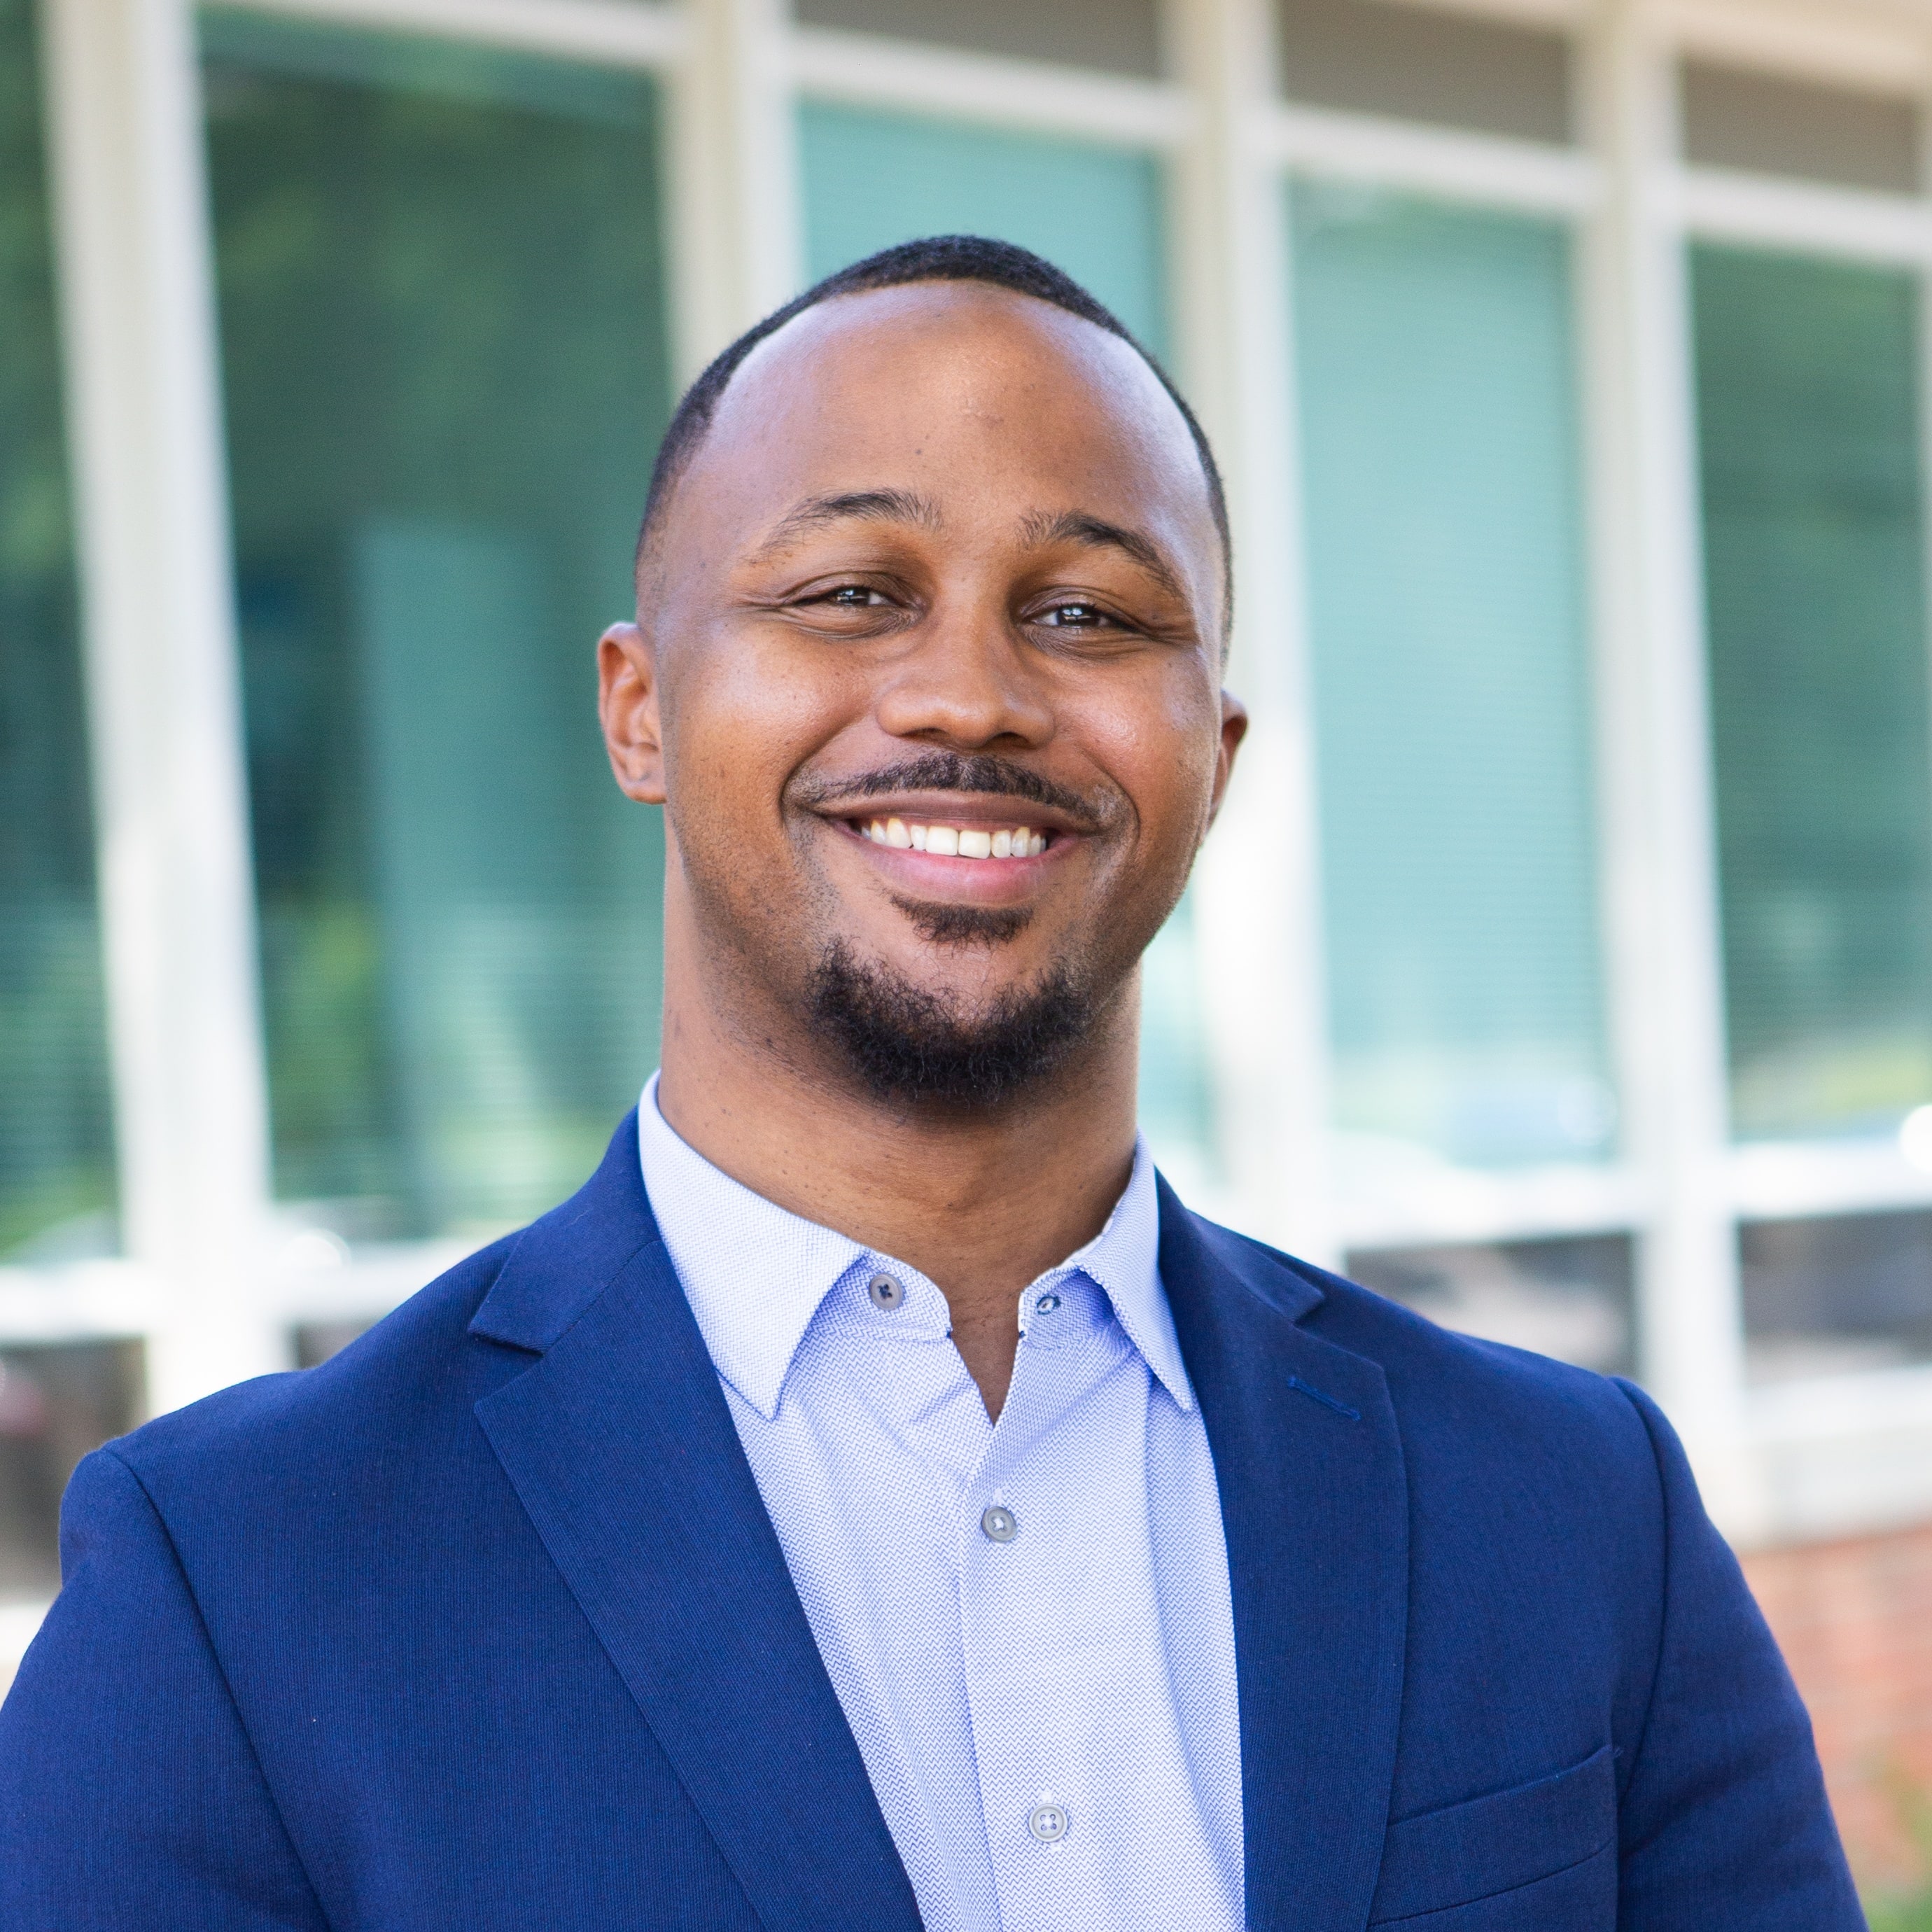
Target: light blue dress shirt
[(1028, 1626)]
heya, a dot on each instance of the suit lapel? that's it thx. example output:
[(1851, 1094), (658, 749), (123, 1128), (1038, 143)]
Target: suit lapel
[(1315, 1506), (620, 1446)]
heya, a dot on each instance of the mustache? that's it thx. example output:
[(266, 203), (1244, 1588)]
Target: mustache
[(954, 771)]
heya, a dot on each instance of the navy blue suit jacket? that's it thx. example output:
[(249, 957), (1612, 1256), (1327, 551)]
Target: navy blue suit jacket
[(482, 1624)]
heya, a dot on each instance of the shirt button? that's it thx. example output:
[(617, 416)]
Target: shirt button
[(1046, 1304), (999, 1524), (885, 1293), (1048, 1823)]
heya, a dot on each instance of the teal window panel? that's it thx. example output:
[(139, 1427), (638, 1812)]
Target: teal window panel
[(1814, 532), (57, 1185), (872, 180), (1446, 599), (443, 323)]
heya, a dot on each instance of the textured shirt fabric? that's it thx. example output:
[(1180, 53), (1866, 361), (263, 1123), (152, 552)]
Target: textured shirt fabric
[(1047, 1713)]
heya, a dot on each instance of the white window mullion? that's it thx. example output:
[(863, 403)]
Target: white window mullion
[(1850, 224), (1659, 822), (736, 231), (1486, 170), (177, 897), (1257, 888)]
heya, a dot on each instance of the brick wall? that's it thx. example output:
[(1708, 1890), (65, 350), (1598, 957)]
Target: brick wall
[(1854, 1618)]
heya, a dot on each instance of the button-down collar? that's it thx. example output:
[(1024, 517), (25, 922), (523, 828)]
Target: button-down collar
[(755, 1274)]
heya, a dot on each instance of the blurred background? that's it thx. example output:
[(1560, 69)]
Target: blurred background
[(1563, 966)]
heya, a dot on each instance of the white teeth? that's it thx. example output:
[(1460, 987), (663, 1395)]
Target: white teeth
[(1019, 841)]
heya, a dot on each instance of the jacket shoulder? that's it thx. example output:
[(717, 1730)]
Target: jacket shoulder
[(410, 1371)]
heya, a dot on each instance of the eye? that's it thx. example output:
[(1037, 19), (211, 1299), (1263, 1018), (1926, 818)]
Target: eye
[(851, 597), (1074, 614)]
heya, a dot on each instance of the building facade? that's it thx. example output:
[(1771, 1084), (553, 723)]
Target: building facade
[(1563, 964)]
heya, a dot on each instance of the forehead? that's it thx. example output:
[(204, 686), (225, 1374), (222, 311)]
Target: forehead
[(985, 402)]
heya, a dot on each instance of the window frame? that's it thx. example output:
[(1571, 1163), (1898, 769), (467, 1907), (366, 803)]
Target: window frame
[(202, 1279)]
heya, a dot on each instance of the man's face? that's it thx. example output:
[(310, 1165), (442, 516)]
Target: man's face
[(927, 674)]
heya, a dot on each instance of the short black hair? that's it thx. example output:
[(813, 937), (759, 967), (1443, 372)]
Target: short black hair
[(936, 258)]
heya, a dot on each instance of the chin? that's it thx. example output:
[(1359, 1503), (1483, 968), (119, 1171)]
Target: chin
[(924, 1044)]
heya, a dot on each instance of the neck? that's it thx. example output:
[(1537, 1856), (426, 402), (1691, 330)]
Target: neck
[(980, 1200)]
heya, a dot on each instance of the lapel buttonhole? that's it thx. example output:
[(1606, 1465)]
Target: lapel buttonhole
[(1326, 1401)]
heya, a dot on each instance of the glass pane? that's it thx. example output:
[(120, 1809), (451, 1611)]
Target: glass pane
[(1121, 36), (1813, 534), (1770, 124), (1497, 77), (56, 1163), (315, 1341), (874, 179), (1846, 1294), (1571, 1298), (871, 180), (443, 346), (1452, 698), (56, 1405)]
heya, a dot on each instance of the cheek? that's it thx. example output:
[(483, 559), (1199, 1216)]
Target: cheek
[(1161, 750), (740, 716)]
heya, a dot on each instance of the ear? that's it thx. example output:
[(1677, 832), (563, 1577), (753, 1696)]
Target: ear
[(1234, 729), (627, 707)]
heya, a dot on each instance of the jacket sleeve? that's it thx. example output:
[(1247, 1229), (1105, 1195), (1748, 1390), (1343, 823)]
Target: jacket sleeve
[(1724, 1823), (130, 1795)]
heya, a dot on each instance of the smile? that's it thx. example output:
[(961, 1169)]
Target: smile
[(961, 841)]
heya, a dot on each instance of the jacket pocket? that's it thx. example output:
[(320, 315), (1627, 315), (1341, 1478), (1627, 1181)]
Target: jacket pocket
[(1465, 1853)]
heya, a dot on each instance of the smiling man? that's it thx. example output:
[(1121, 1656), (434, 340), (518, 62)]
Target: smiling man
[(874, 1500)]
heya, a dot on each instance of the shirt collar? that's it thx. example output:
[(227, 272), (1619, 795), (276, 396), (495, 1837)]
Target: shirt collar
[(754, 1273)]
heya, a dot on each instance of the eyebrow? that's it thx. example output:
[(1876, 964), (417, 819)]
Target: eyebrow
[(1078, 527), (874, 506)]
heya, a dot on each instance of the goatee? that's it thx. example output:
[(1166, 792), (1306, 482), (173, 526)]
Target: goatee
[(907, 1044)]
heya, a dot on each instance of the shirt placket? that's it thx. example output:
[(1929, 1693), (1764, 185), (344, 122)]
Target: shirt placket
[(1014, 1542)]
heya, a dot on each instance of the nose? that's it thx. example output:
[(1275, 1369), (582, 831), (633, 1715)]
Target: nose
[(967, 686)]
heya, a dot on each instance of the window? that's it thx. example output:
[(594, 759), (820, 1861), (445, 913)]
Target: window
[(1836, 1295), (1814, 539), (443, 345), (1769, 124), (1122, 36), (56, 1163), (1570, 1298), (57, 1403), (1451, 688), (1496, 77), (872, 179)]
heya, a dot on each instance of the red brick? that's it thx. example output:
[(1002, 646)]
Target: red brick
[(1855, 1619)]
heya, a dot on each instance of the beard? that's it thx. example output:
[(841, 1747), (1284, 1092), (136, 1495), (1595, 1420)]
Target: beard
[(908, 1045)]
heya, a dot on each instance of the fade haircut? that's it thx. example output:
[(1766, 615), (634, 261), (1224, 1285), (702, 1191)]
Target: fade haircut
[(938, 258)]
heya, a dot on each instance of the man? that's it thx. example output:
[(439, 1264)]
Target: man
[(874, 1499)]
